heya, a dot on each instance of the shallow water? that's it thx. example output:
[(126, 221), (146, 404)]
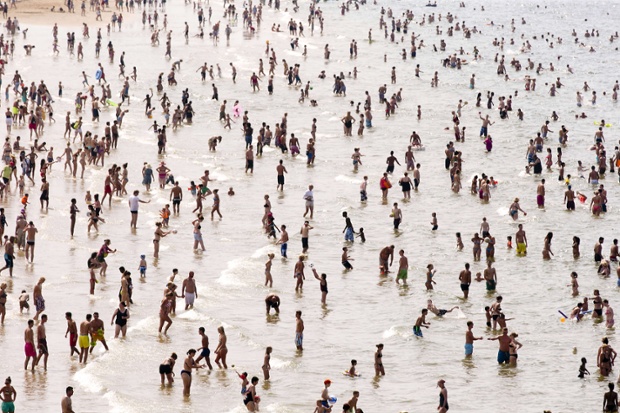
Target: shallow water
[(363, 308)]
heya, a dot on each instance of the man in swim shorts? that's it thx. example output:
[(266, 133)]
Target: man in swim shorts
[(83, 340), (469, 339), (503, 355), (521, 239), (189, 290)]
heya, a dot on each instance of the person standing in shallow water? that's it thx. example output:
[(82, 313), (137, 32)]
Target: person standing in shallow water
[(443, 397)]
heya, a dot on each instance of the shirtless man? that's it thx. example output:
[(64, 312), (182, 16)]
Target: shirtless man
[(521, 239), (97, 332), (469, 339), (189, 290), (29, 347), (37, 296), (9, 255), (465, 279), (598, 250), (569, 198), (387, 252), (42, 342), (31, 232), (299, 331), (204, 349), (283, 241), (72, 332), (540, 194), (305, 231), (281, 169), (403, 267), (176, 196), (66, 404), (83, 340), (503, 355), (272, 301), (299, 273)]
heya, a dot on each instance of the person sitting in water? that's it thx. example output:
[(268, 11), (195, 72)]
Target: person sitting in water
[(438, 312)]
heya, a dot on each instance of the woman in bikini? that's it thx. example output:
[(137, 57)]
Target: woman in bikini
[(186, 373), (221, 349), (379, 371), (513, 347)]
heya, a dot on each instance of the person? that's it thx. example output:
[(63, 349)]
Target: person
[(299, 273), (72, 330), (521, 239), (266, 365), (268, 264), (514, 346), (323, 283), (469, 339), (204, 349), (29, 347), (582, 368), (134, 204), (164, 312), (397, 215), (31, 232), (503, 354), (403, 266), (272, 301), (309, 197), (438, 312), (83, 341), (97, 332), (610, 400), (352, 371), (283, 241), (42, 342), (379, 370), (119, 318), (465, 279), (251, 399), (166, 367), (443, 396), (325, 394), (305, 232), (385, 254), (421, 322), (299, 331), (189, 290), (37, 296), (221, 349), (605, 357), (8, 396), (186, 374), (65, 404), (515, 208)]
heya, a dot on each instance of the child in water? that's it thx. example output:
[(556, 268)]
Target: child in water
[(142, 265), (351, 372), (361, 235), (421, 322), (23, 301), (582, 369), (459, 242)]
